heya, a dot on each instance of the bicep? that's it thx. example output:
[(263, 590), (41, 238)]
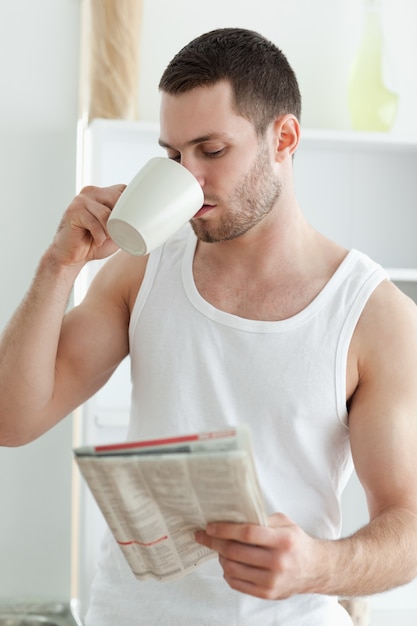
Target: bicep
[(93, 342), (383, 411)]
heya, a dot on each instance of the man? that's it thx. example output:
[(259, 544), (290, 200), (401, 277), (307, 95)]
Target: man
[(249, 316)]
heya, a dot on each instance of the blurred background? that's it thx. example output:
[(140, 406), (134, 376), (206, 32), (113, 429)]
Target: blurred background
[(44, 75)]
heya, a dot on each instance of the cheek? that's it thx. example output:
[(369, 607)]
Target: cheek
[(226, 176)]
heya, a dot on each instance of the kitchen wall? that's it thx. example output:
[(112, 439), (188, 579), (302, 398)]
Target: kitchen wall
[(38, 113), (38, 116), (320, 39)]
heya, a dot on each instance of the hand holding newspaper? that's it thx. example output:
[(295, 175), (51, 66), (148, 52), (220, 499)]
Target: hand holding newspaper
[(155, 494)]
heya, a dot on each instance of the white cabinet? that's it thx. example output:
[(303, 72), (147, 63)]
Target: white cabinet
[(360, 189)]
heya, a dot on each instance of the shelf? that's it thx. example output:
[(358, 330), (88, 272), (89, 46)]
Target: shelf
[(402, 274), (318, 138)]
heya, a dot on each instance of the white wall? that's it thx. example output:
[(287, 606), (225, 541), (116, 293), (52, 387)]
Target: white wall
[(319, 39), (38, 114)]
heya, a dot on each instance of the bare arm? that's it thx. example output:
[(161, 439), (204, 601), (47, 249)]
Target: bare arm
[(282, 560), (383, 430), (51, 362)]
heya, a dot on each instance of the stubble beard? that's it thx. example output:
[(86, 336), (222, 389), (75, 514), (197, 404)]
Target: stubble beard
[(253, 198)]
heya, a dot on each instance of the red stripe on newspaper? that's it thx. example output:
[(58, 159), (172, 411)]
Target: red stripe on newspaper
[(162, 442), (142, 543)]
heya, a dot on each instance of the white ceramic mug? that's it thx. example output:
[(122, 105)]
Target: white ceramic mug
[(158, 201)]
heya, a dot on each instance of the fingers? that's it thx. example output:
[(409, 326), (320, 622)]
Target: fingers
[(92, 207), (245, 543), (90, 216), (106, 196), (82, 234), (252, 580), (249, 533), (265, 561), (247, 567), (217, 534), (232, 549)]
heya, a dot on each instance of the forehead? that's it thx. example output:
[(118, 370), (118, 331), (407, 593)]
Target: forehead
[(199, 112)]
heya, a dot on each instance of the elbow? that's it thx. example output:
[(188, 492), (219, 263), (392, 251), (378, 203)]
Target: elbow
[(23, 425), (12, 439), (13, 435)]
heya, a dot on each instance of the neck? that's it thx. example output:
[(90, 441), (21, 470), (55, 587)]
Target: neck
[(280, 241)]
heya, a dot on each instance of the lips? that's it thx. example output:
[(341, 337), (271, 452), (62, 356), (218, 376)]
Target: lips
[(204, 209)]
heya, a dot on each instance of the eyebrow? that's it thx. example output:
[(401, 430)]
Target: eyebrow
[(197, 140)]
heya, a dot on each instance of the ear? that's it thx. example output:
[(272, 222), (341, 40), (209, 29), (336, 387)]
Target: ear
[(286, 136)]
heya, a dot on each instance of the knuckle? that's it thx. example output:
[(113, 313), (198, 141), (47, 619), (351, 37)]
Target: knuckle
[(288, 541), (268, 594), (275, 562), (270, 588), (76, 208), (232, 551), (228, 568), (248, 533), (88, 190)]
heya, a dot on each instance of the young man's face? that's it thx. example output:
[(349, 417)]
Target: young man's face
[(235, 167)]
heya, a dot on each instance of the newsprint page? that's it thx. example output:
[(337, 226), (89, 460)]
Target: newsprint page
[(155, 494)]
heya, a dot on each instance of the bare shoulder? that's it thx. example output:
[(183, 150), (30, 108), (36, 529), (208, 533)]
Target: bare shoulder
[(389, 318), (383, 350)]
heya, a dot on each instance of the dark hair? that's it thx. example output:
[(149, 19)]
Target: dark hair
[(263, 83)]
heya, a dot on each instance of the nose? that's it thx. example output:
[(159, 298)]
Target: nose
[(196, 169)]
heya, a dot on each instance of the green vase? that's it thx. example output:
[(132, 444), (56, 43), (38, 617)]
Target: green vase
[(372, 106)]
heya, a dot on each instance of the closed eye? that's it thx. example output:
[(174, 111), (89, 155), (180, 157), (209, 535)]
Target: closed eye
[(214, 154), (209, 154)]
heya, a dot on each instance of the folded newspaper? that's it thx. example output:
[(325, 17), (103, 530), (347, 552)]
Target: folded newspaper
[(155, 494)]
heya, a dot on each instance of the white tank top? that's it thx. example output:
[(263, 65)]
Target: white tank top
[(197, 368)]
